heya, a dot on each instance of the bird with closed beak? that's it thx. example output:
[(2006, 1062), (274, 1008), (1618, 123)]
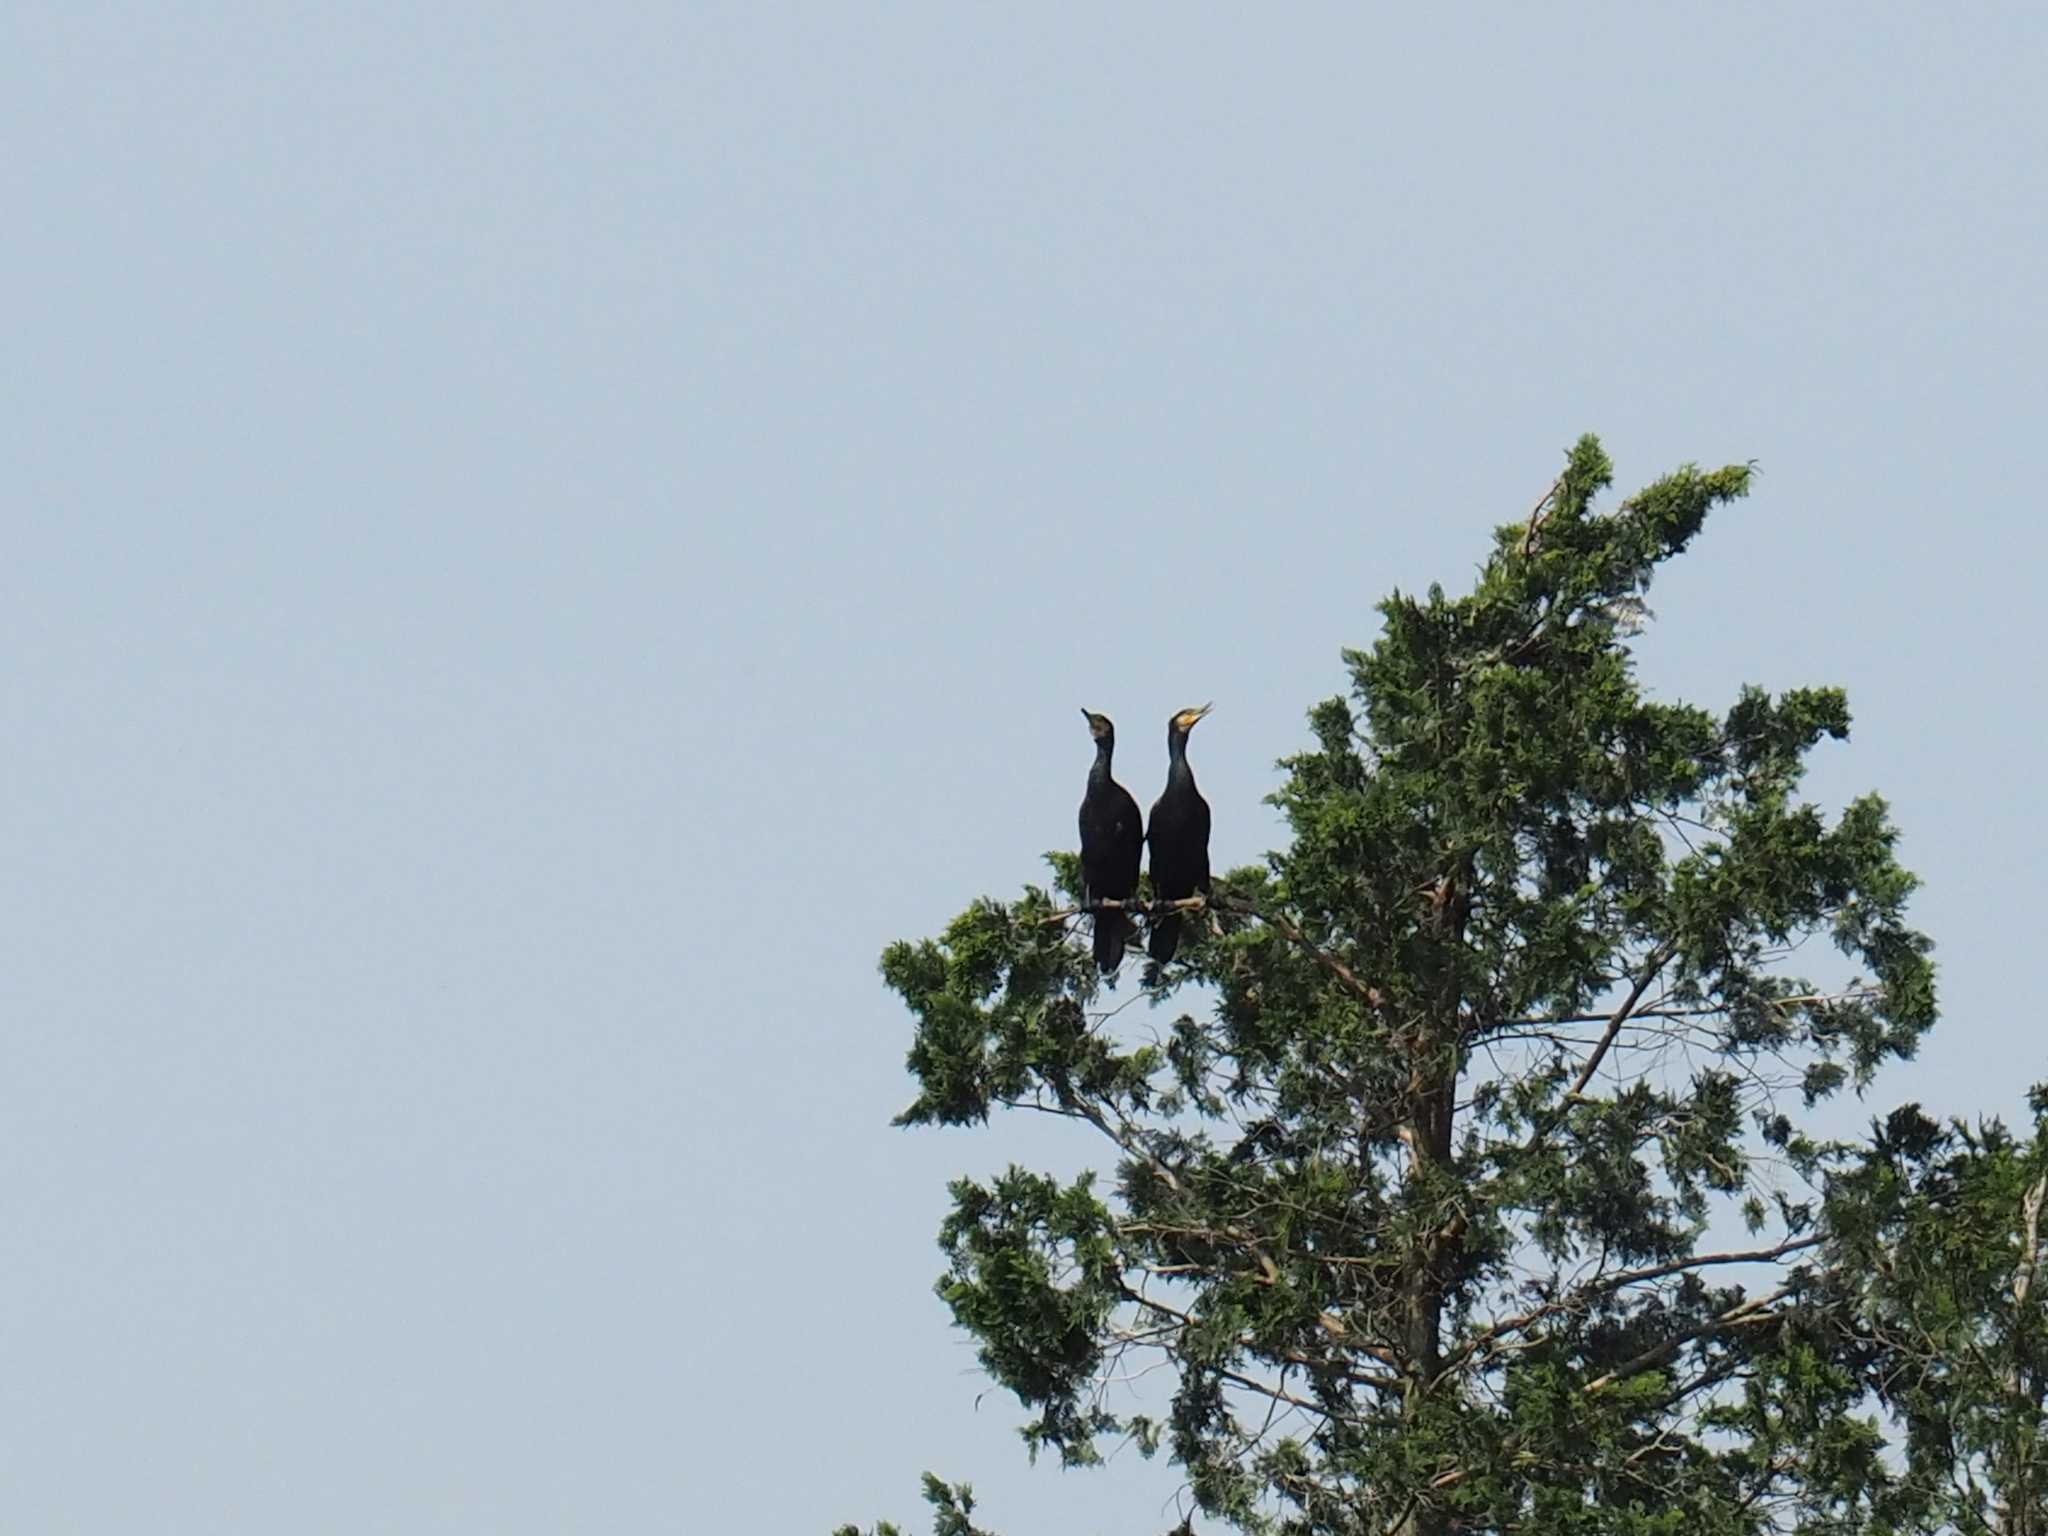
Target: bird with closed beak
[(1112, 845)]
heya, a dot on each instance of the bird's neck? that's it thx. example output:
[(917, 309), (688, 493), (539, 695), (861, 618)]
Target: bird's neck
[(1177, 756), (1099, 774)]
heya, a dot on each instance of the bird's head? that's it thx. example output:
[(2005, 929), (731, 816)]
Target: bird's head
[(1100, 728), (1184, 720)]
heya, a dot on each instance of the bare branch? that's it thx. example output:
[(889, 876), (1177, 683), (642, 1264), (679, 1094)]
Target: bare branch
[(1278, 1394), (1659, 958), (1743, 1314), (1700, 1261), (1594, 1289), (1705, 1011), (1372, 995)]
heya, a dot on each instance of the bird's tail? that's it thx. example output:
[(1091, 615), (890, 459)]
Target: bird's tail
[(1112, 933), (1165, 937)]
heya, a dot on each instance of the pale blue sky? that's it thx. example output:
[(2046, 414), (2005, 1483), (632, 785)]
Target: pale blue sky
[(539, 537)]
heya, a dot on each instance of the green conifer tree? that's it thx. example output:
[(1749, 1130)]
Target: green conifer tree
[(1416, 1203)]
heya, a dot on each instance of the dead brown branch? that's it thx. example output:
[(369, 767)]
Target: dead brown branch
[(1536, 516)]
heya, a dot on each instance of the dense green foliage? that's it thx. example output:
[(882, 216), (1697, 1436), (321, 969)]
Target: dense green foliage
[(1936, 1250), (1474, 1194)]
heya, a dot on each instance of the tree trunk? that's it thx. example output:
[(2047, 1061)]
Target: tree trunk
[(1432, 1109)]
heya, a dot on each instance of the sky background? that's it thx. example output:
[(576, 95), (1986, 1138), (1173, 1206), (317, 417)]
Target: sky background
[(539, 537)]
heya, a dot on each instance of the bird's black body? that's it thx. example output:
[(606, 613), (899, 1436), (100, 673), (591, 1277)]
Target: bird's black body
[(1112, 845), (1179, 837)]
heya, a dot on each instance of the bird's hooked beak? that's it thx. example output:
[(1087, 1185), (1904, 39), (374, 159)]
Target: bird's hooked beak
[(1188, 717)]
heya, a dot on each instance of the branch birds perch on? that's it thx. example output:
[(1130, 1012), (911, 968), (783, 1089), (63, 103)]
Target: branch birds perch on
[(1112, 843)]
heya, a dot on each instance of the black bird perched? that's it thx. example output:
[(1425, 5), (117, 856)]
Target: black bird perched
[(1179, 836), (1112, 843)]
